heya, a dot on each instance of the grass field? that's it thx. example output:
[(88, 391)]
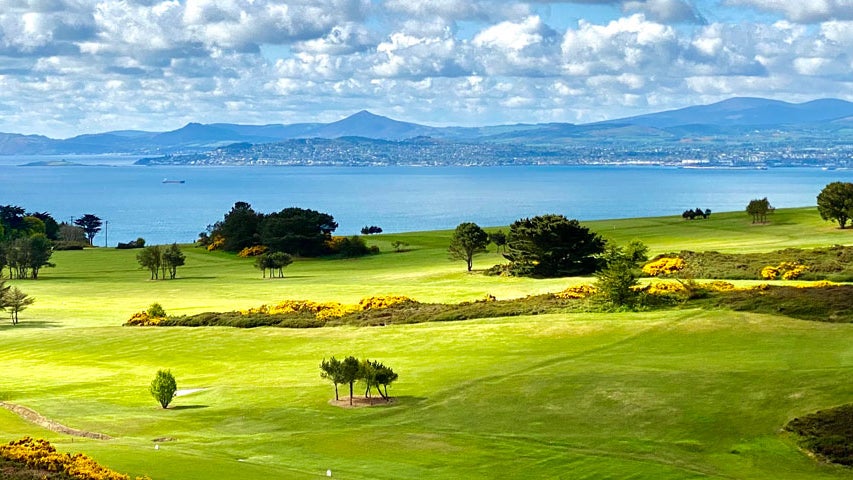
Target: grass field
[(675, 394)]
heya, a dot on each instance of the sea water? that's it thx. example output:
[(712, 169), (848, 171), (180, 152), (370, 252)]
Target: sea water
[(135, 201)]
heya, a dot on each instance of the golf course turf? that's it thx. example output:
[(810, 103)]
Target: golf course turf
[(661, 394)]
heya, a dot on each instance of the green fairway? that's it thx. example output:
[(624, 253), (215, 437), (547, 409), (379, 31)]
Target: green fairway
[(657, 395)]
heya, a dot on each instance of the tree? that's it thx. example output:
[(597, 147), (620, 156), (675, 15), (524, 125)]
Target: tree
[(239, 228), (835, 202), (552, 246), (297, 231), (90, 224), (172, 259), (163, 388), (373, 229), (4, 290), (399, 246), (367, 372), (16, 301), (151, 258), (468, 240), (759, 210), (40, 250), (499, 239), (616, 281), (333, 370), (384, 376), (350, 370)]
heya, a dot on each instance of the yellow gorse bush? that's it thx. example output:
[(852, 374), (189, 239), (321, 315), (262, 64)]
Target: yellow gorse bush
[(664, 266), (142, 319), (216, 243), (40, 454), (325, 311), (665, 288), (252, 251), (785, 271), (576, 292)]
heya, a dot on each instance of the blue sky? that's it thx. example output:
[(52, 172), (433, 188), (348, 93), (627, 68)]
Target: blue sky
[(69, 67)]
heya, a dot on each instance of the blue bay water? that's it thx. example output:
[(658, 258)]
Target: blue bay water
[(136, 202)]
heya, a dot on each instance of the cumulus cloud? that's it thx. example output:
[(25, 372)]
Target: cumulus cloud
[(72, 66), (811, 11)]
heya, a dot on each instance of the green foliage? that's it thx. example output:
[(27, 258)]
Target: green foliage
[(827, 433), (399, 245), (27, 255), (833, 263), (151, 258), (825, 304), (350, 373), (552, 246), (616, 282), (274, 262), (163, 387), (332, 370), (835, 202), (160, 260), (15, 301), (467, 240), (90, 224), (155, 310), (758, 209)]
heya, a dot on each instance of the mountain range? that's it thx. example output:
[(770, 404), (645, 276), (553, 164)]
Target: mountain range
[(736, 118)]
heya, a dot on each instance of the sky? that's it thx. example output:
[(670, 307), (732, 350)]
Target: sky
[(69, 67)]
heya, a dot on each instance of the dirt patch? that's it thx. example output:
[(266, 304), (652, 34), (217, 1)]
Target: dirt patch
[(360, 402), (32, 416), (164, 439)]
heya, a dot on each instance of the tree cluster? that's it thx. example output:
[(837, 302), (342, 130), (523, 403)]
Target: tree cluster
[(351, 370), (696, 214), (295, 231), (371, 230), (758, 209), (835, 202), (274, 262), (161, 260), (26, 241)]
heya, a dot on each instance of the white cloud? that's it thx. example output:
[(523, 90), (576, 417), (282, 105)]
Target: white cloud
[(804, 11)]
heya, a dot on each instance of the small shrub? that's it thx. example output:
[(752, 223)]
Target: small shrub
[(163, 387)]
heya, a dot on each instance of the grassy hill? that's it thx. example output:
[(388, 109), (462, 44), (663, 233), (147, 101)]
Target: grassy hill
[(674, 394)]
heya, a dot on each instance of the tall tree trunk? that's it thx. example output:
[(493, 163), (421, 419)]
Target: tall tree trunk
[(336, 392), (350, 393)]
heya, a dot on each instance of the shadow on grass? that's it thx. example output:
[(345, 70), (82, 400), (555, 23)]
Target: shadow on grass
[(28, 324), (187, 407)]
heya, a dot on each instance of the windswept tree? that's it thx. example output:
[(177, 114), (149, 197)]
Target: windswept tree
[(350, 371), (332, 369), (468, 240), (163, 387), (16, 301), (384, 376), (90, 224), (552, 246), (835, 202)]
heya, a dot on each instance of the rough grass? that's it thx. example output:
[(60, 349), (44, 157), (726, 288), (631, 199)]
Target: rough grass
[(660, 395), (834, 263), (827, 433)]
